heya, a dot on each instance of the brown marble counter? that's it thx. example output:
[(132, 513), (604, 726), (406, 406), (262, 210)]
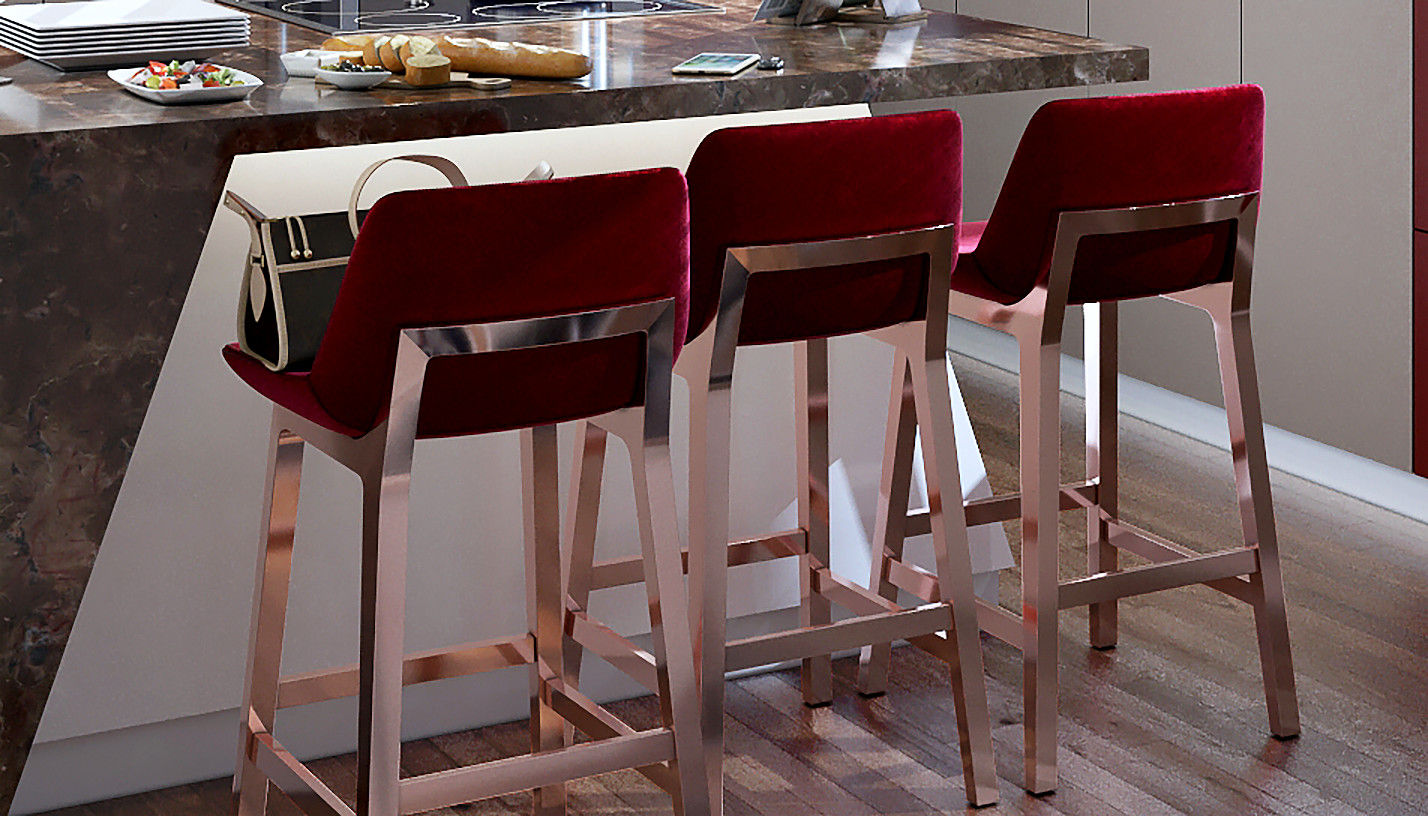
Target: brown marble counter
[(105, 200)]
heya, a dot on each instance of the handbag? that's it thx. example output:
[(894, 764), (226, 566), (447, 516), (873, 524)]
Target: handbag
[(295, 267)]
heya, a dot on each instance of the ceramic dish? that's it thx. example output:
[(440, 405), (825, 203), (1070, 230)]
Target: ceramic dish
[(188, 96), (304, 63), (354, 80)]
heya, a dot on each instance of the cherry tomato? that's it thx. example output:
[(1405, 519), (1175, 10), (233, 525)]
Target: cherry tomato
[(158, 68)]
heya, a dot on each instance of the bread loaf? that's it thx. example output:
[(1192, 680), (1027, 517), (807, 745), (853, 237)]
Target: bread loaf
[(348, 42), (479, 56), (427, 70)]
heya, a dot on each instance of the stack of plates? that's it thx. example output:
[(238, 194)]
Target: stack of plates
[(103, 33)]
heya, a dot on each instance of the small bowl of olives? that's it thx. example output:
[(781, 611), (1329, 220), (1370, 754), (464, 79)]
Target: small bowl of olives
[(353, 76)]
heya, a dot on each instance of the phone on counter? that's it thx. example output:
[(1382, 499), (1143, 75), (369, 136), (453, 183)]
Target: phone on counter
[(717, 64)]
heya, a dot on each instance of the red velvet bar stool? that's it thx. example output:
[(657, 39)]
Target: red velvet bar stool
[(800, 233), (563, 305), (1108, 200)]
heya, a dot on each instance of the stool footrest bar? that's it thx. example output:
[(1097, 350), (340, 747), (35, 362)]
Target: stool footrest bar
[(520, 773), (294, 779), (1000, 623), (1152, 547), (1198, 569), (811, 641), (595, 721), (1005, 508), (631, 570), (617, 650), (422, 667)]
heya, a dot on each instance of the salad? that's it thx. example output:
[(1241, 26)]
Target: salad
[(188, 74)]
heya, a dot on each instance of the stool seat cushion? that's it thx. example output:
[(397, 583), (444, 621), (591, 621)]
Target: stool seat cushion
[(780, 184), (1124, 151), (489, 254), (496, 253), (492, 394)]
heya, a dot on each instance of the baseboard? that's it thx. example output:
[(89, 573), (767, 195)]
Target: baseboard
[(1373, 482)]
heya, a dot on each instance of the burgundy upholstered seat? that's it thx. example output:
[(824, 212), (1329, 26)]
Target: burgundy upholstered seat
[(813, 181), (484, 254), (1111, 152)]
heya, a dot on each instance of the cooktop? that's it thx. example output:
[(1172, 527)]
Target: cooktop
[(346, 16)]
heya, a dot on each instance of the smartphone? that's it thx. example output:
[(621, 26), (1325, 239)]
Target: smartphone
[(718, 64)]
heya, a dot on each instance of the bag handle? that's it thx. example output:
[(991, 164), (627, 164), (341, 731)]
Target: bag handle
[(442, 165)]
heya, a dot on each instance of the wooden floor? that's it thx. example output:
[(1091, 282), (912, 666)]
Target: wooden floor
[(1171, 721)]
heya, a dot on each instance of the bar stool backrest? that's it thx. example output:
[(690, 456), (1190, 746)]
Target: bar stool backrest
[(502, 252), (1119, 152), (784, 184)]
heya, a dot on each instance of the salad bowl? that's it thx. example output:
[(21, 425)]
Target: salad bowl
[(187, 83)]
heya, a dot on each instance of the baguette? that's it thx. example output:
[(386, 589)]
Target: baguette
[(348, 42), (372, 51), (389, 53), (415, 46), (479, 56)]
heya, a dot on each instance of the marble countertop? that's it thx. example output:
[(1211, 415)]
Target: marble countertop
[(944, 55)]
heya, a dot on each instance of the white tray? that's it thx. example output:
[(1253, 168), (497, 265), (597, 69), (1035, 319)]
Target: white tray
[(132, 47), (187, 96), (10, 31), (107, 14)]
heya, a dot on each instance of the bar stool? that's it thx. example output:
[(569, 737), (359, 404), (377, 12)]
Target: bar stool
[(1107, 200), (800, 233), (494, 332)]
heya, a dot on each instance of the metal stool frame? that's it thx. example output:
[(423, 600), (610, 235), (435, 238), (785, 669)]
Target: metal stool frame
[(920, 388), (382, 459), (1250, 573)]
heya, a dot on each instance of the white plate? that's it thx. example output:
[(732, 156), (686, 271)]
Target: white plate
[(138, 48), (7, 31), (103, 14), (304, 63), (187, 96)]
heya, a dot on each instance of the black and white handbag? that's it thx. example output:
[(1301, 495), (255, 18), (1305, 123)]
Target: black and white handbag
[(295, 266)]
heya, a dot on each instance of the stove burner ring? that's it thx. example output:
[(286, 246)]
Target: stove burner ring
[(411, 16), (565, 9), (580, 8), (295, 7)]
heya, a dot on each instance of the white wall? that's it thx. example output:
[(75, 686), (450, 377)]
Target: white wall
[(1333, 277), (146, 691)]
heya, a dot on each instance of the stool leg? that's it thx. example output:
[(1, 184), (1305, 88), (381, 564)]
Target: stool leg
[(811, 378), (954, 575), (709, 432), (544, 609), (1040, 502), (383, 620), (586, 474), (270, 602), (672, 643), (890, 532), (1102, 445), (1242, 409)]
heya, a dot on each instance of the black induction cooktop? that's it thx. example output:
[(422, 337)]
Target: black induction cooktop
[(336, 16)]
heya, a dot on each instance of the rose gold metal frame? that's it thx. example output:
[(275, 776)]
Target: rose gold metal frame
[(1251, 573), (382, 459), (945, 626)]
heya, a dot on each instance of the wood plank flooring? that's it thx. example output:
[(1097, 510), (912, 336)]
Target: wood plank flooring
[(1170, 722)]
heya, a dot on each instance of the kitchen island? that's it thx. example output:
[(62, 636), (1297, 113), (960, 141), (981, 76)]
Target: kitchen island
[(107, 199)]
